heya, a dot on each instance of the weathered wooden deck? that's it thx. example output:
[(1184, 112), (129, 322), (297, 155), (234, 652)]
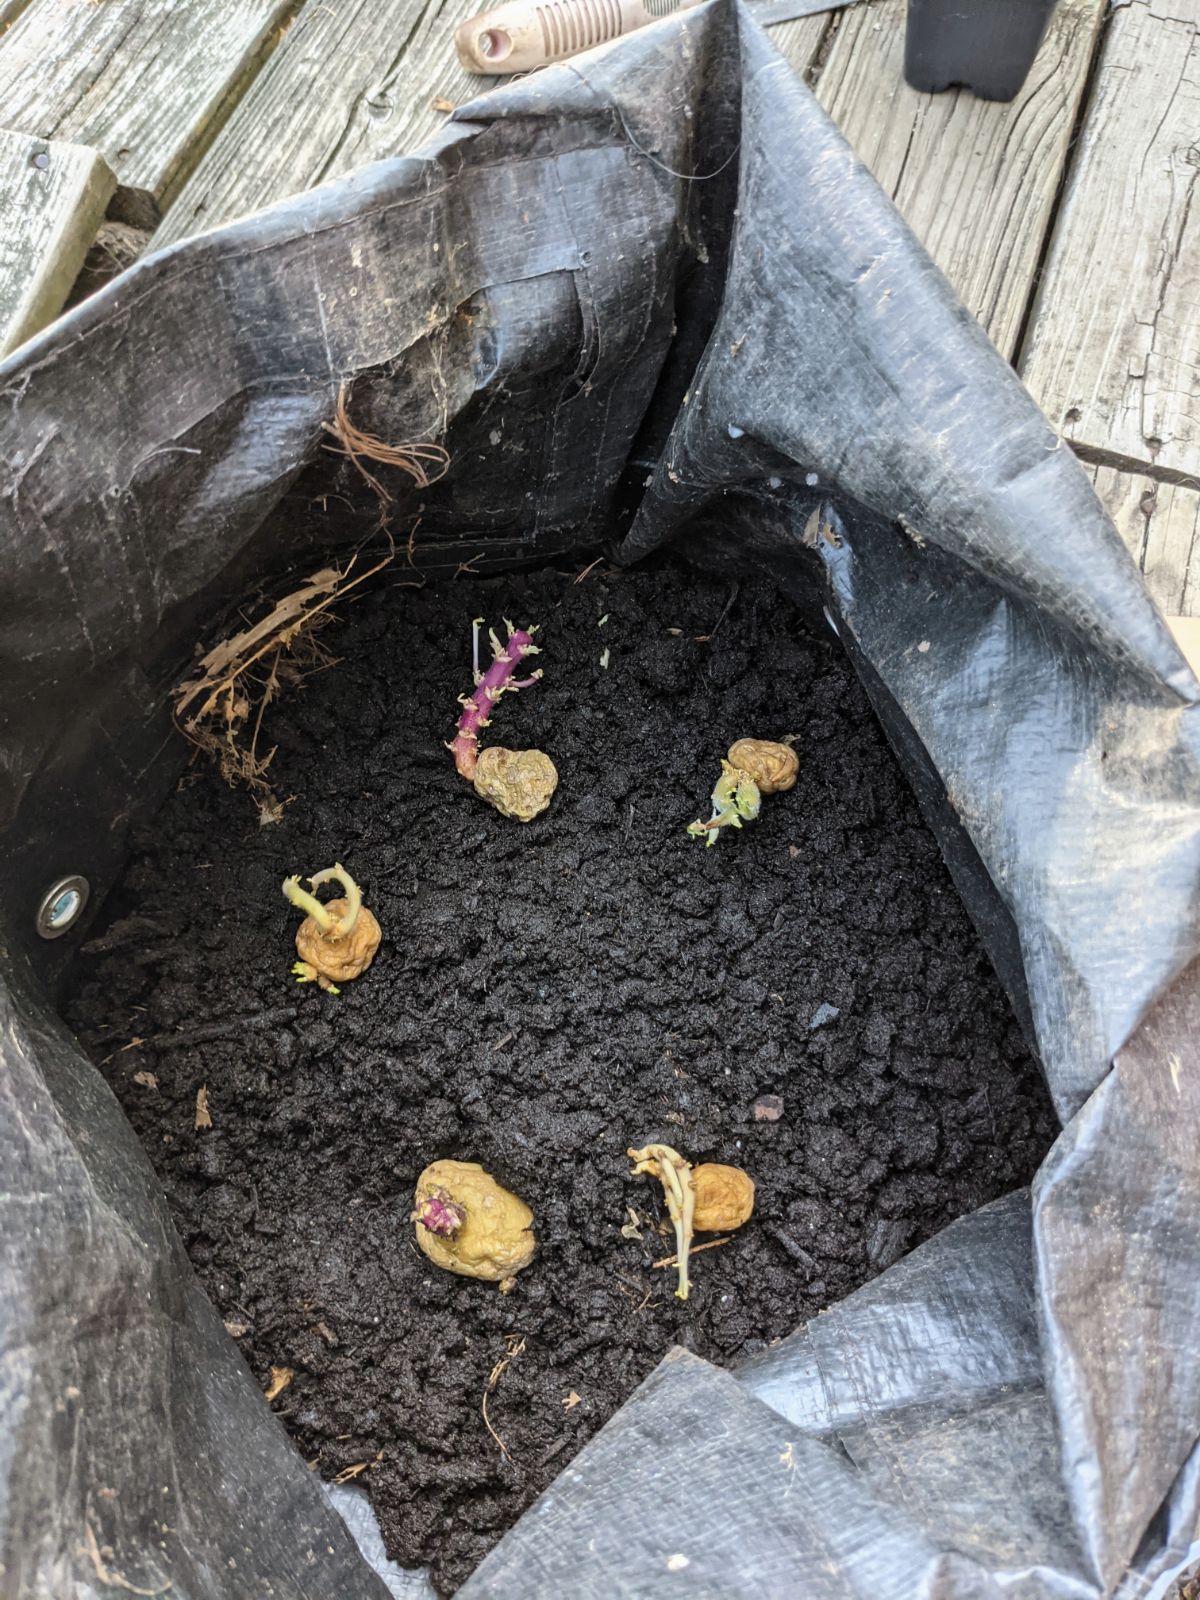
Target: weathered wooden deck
[(1065, 219)]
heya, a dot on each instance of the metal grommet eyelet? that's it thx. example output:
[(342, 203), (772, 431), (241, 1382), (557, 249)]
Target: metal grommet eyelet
[(62, 906)]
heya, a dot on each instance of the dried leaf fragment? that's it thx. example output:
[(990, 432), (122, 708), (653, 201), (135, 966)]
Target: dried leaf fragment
[(146, 1079), (203, 1117), (570, 1401), (280, 1378), (633, 1228)]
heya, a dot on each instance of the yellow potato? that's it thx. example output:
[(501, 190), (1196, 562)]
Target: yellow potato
[(772, 766), (344, 958), (724, 1197), (495, 1238), (519, 783)]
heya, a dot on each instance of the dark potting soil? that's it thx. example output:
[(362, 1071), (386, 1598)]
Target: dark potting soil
[(546, 996)]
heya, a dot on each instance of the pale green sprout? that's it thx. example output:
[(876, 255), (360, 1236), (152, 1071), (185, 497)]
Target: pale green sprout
[(311, 906), (735, 799), (675, 1175), (304, 972)]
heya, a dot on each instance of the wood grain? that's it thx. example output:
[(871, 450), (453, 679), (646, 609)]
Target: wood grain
[(799, 41), (975, 179), (143, 82), (1113, 353), (52, 200), (1160, 524), (352, 82), (10, 10)]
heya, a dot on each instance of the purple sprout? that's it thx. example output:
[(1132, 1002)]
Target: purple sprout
[(489, 686), (439, 1214)]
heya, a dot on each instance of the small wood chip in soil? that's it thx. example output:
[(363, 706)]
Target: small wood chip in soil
[(570, 1401), (146, 1079), (280, 1378), (203, 1119)]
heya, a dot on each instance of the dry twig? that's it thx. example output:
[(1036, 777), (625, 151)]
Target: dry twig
[(348, 1474), (516, 1344), (671, 1261)]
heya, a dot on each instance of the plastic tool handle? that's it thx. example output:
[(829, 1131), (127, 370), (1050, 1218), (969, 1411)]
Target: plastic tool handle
[(523, 34)]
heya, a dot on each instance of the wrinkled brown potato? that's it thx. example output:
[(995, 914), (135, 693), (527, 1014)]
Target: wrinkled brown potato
[(518, 783), (339, 959), (772, 766), (724, 1197), (496, 1237)]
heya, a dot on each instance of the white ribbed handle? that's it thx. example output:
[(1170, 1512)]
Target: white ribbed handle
[(523, 34)]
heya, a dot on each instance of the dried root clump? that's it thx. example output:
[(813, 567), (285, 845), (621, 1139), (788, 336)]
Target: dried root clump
[(424, 463), (337, 940), (519, 783), (468, 1224), (220, 707)]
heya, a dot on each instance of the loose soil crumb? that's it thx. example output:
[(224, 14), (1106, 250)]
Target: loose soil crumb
[(546, 996)]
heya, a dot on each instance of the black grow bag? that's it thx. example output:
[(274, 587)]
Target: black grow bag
[(649, 289)]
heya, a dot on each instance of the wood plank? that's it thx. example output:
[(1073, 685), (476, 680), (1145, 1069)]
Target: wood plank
[(1160, 524), (10, 10), (975, 179), (352, 82), (144, 82), (1187, 637), (304, 121), (52, 200), (799, 41), (1113, 351)]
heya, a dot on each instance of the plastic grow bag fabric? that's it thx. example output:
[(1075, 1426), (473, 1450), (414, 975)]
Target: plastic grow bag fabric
[(652, 292)]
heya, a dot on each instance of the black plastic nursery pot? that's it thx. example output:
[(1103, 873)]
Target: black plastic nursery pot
[(652, 307), (987, 46)]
